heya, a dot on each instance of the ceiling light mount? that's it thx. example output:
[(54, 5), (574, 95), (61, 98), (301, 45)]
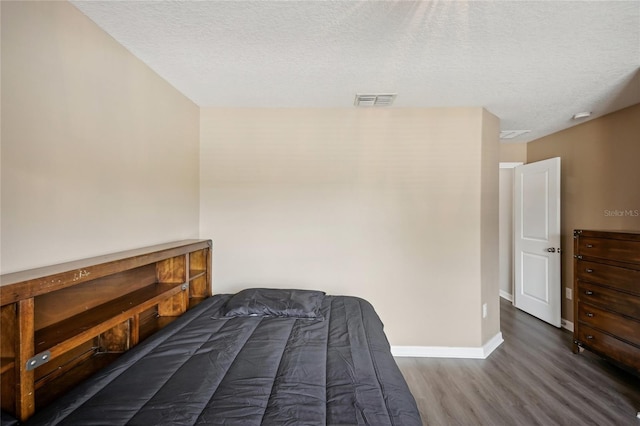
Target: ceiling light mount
[(374, 99), (510, 134), (579, 115)]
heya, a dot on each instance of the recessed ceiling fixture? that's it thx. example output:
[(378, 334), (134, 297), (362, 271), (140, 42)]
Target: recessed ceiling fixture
[(510, 134), (579, 115), (374, 99)]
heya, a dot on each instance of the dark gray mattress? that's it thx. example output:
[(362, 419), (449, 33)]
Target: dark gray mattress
[(204, 369)]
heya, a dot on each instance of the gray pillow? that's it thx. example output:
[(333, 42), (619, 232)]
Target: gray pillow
[(275, 303)]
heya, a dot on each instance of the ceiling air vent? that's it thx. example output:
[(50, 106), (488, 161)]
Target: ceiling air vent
[(510, 134), (374, 100)]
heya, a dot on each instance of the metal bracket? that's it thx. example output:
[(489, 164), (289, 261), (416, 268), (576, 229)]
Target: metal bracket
[(38, 360), (185, 286)]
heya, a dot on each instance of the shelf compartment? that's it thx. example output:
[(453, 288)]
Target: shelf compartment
[(150, 322), (52, 308), (147, 323), (196, 273), (198, 287), (68, 333), (198, 261), (6, 364), (193, 301), (172, 270), (7, 390), (199, 274), (83, 369), (8, 341), (56, 367)]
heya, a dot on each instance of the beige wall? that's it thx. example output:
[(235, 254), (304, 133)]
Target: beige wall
[(392, 205), (99, 154), (600, 179), (489, 201), (513, 152)]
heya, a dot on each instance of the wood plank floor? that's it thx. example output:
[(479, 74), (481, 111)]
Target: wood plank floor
[(533, 378)]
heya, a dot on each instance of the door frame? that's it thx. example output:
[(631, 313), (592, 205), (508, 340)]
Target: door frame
[(506, 260)]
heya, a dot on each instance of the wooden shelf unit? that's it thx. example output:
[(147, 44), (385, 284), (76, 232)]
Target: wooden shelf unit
[(74, 318)]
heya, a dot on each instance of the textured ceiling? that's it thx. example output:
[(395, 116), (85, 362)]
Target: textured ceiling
[(532, 63)]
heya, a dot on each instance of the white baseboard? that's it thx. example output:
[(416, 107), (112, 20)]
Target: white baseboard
[(506, 295), (566, 324), (449, 352), (492, 344)]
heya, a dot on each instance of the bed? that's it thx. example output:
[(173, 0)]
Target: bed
[(258, 357)]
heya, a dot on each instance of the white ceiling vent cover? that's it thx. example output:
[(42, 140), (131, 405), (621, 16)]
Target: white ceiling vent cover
[(374, 99), (510, 134)]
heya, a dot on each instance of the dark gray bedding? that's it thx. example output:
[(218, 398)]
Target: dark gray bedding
[(205, 368)]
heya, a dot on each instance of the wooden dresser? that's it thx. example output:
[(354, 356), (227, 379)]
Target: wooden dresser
[(62, 323), (607, 295)]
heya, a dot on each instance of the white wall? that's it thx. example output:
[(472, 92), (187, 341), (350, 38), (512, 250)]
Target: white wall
[(382, 204), (99, 154)]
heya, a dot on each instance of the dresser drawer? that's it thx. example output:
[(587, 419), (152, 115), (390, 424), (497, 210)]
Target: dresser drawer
[(612, 276), (621, 327), (606, 298), (610, 346), (604, 248)]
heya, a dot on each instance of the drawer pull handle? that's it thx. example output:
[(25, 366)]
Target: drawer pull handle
[(589, 270), (589, 337), (590, 315), (588, 293), (589, 245)]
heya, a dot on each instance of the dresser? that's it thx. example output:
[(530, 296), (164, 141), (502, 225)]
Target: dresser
[(607, 295)]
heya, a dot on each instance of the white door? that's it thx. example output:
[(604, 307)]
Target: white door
[(536, 227)]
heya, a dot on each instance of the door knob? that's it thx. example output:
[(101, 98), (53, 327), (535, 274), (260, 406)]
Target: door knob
[(551, 249)]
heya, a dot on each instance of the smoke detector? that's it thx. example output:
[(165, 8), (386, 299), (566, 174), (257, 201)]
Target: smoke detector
[(374, 99), (510, 134)]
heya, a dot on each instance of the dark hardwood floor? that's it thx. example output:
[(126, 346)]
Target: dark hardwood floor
[(533, 378)]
